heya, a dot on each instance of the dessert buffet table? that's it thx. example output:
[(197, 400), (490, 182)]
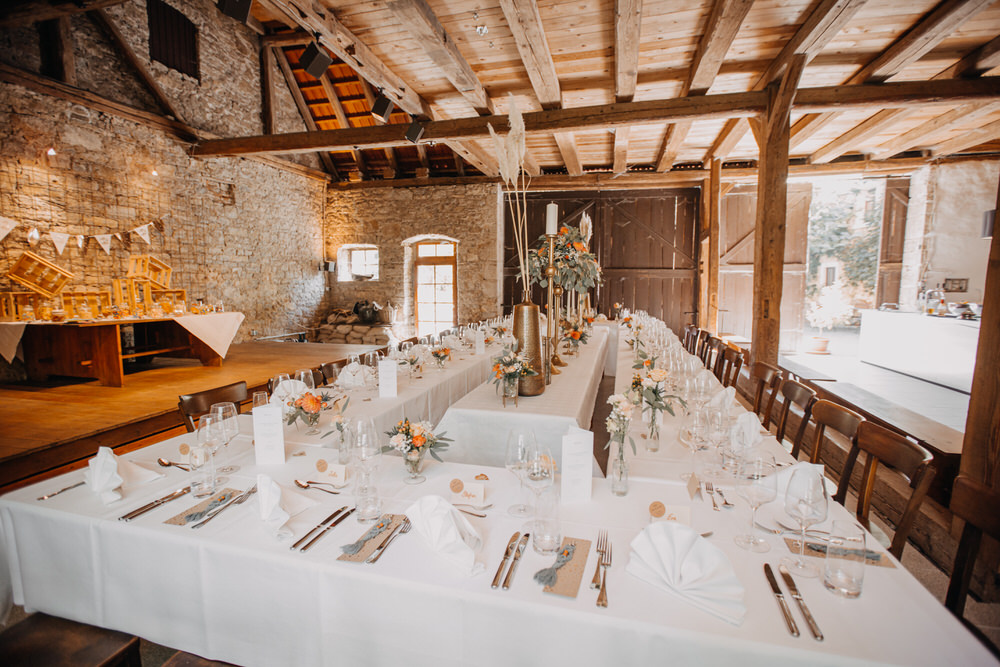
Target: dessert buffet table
[(234, 592), (479, 423)]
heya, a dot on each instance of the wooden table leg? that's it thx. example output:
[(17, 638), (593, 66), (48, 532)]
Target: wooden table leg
[(107, 350), (207, 355)]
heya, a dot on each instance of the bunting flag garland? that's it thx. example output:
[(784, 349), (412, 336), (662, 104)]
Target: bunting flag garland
[(105, 242), (80, 240), (59, 239), (143, 232), (6, 226)]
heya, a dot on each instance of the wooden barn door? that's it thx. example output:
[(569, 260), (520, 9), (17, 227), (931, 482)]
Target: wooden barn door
[(890, 258), (644, 241), (736, 241)]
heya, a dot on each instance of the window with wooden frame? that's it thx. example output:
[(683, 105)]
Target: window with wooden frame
[(173, 38), (436, 282)]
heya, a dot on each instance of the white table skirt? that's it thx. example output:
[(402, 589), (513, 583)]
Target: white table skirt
[(231, 592), (479, 423), (611, 361)]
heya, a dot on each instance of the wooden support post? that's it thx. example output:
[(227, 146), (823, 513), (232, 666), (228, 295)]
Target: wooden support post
[(266, 87), (772, 207), (712, 258), (981, 448)]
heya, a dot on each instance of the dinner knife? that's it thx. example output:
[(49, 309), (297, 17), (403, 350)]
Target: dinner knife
[(56, 493), (317, 527), (506, 556), (153, 505), (517, 557), (332, 524), (794, 590), (793, 629)]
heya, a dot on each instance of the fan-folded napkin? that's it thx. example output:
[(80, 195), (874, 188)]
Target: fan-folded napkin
[(447, 533), (453, 342), (287, 389), (106, 474), (353, 376), (746, 433), (676, 559), (277, 505), (723, 400)]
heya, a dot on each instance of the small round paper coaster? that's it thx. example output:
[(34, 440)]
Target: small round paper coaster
[(456, 486), (321, 465), (656, 509), (184, 449)]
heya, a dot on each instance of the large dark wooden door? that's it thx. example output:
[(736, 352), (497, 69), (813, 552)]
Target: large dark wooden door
[(644, 241), (890, 260)]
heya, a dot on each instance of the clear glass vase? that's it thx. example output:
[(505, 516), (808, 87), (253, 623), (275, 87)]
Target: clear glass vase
[(618, 471), (653, 435), (509, 390), (412, 460)]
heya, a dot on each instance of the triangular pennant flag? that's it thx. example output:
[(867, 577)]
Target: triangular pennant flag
[(160, 227), (118, 235), (34, 237), (143, 232), (105, 241), (6, 227), (59, 239), (80, 240)]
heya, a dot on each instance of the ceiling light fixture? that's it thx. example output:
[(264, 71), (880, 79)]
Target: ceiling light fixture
[(382, 108), (315, 60), (415, 131)]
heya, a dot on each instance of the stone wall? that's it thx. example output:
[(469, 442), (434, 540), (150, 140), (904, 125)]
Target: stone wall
[(387, 217)]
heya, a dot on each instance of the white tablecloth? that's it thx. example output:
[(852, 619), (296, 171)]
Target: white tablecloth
[(216, 330), (479, 423), (10, 338), (231, 592), (611, 361)]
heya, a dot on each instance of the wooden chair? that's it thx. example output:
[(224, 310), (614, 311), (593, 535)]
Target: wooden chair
[(976, 504), (713, 353), (331, 369), (195, 405), (41, 639), (765, 378), (909, 459), (690, 338), (729, 365), (829, 415), (794, 393), (701, 346)]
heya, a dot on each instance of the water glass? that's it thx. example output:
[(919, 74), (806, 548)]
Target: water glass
[(546, 533), (844, 573), (305, 376), (201, 458), (520, 444), (260, 399), (366, 495)]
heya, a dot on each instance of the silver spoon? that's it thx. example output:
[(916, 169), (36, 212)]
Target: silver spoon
[(166, 464), (309, 485), (474, 507)]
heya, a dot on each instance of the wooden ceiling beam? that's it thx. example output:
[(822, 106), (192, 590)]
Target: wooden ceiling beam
[(567, 146), (822, 25), (628, 23), (723, 23), (620, 159), (727, 105), (968, 139), (304, 112), (267, 102), (475, 155), (419, 20), (20, 13), (927, 132), (338, 111)]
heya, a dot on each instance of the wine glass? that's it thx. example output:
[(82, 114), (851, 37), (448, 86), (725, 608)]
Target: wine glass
[(519, 446), (280, 391), (305, 376), (757, 485), (805, 501), (354, 359), (260, 398), (226, 413), (540, 471)]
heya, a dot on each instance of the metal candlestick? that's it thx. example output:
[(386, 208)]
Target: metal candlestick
[(551, 323), (556, 361)]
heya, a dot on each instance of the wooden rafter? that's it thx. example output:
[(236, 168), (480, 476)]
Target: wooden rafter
[(12, 14), (267, 105), (369, 94), (303, 107), (525, 24), (419, 20), (104, 21), (968, 139), (628, 20), (926, 133), (727, 105), (936, 25), (342, 121), (822, 25), (723, 23)]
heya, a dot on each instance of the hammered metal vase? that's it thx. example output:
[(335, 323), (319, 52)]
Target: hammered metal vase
[(527, 331)]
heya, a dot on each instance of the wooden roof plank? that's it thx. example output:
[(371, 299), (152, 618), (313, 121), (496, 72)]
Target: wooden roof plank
[(932, 129), (342, 121), (968, 139), (628, 21), (300, 103)]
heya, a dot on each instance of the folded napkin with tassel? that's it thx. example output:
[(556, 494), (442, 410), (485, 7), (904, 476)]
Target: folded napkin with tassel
[(276, 505), (447, 533), (723, 400), (106, 474), (353, 376), (676, 559)]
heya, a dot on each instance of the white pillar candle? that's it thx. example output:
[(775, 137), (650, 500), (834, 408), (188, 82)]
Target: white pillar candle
[(552, 218)]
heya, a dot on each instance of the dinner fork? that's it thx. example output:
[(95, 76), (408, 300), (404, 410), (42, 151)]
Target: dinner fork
[(710, 488), (240, 499), (405, 528), (602, 546), (602, 599)]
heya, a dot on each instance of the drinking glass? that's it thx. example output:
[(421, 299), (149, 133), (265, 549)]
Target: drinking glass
[(354, 359), (260, 398), (540, 471), (305, 376), (202, 457), (845, 559), (366, 496), (519, 446), (367, 447), (756, 484), (371, 361), (280, 391), (546, 534), (805, 501), (226, 413)]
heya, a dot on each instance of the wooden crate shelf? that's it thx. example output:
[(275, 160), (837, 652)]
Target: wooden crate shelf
[(98, 300), (39, 275), (147, 267), (12, 305)]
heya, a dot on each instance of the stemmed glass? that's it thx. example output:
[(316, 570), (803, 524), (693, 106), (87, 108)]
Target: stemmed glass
[(757, 485), (540, 471), (305, 376), (210, 436), (519, 446), (805, 501), (281, 391), (226, 413), (371, 361)]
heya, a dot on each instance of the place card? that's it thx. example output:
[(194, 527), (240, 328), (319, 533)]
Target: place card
[(198, 512), (568, 574), (679, 513), (472, 493), (268, 435), (577, 469), (375, 541), (335, 471), (387, 369), (818, 550), (694, 486), (480, 342)]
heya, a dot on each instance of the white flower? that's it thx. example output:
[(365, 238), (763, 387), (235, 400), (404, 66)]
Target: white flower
[(658, 374), (417, 428), (398, 441)]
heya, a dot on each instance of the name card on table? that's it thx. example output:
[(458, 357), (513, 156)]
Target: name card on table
[(387, 378), (577, 469), (480, 341), (268, 435), (473, 493)]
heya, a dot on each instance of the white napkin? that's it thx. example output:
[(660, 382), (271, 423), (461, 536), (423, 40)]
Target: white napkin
[(723, 400), (102, 476), (452, 342), (784, 475), (746, 433), (676, 559), (447, 533), (353, 376), (707, 376), (136, 474), (277, 505), (285, 390), (601, 318)]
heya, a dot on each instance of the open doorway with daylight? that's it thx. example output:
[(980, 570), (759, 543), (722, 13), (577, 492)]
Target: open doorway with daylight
[(436, 283), (845, 228)]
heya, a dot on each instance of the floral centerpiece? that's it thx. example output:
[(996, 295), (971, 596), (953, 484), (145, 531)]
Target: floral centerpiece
[(307, 407), (574, 334), (500, 331), (508, 368), (441, 354), (576, 267), (617, 424), (413, 440), (634, 393), (645, 361), (656, 400)]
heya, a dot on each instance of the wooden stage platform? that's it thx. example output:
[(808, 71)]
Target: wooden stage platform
[(56, 426)]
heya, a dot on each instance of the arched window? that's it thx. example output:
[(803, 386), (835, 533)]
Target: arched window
[(436, 282)]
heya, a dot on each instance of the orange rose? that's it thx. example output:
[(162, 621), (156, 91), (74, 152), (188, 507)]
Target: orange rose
[(647, 362), (563, 230), (309, 403), (419, 441), (575, 335), (578, 246)]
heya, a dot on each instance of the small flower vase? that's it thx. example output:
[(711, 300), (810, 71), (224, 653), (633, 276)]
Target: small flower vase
[(440, 363), (312, 419), (509, 390), (653, 436), (618, 471), (412, 460), (342, 444)]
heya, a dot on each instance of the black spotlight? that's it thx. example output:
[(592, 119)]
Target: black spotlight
[(414, 131), (237, 9), (382, 108), (315, 60)]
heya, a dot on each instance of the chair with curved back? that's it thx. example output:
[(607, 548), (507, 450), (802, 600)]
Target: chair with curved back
[(794, 393), (331, 369), (193, 406), (729, 365), (891, 449), (713, 352), (690, 338), (830, 416), (701, 348), (765, 378), (976, 504)]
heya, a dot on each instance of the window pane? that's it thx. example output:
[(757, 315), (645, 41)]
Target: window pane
[(446, 250), (443, 293), (445, 274), (445, 313), (425, 250), (425, 275), (425, 293)]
